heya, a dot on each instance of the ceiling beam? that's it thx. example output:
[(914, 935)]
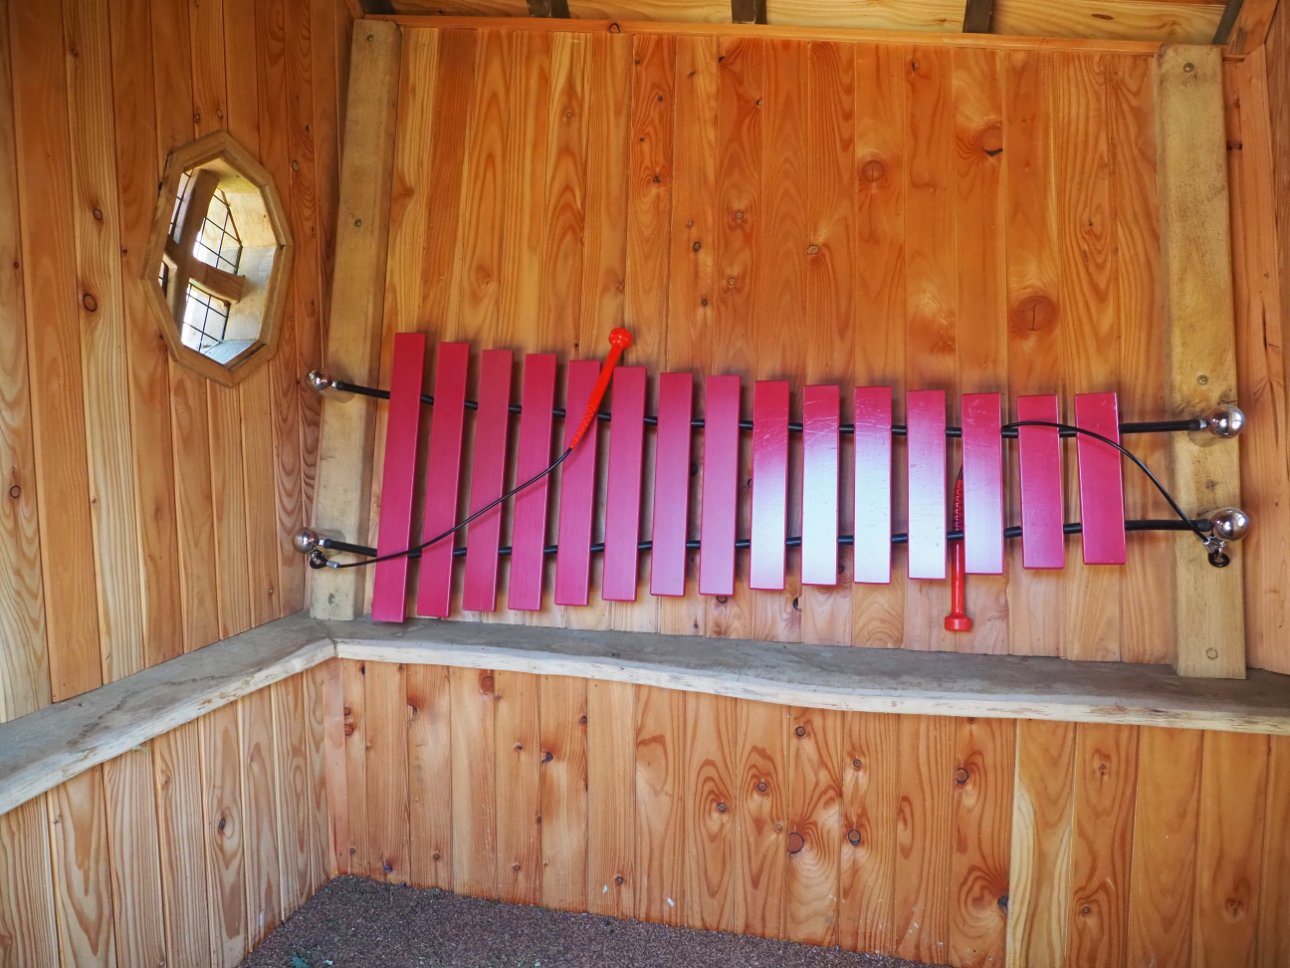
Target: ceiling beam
[(1244, 25)]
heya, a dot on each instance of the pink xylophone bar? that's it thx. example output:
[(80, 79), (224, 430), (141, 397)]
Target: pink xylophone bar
[(982, 534)]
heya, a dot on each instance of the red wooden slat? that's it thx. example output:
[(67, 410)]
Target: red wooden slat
[(577, 490), (671, 484), (528, 519), (925, 445), (623, 493), (983, 483), (390, 583), (720, 486), (492, 421), (873, 485), (443, 467), (770, 484), (1101, 485), (1043, 544), (820, 417)]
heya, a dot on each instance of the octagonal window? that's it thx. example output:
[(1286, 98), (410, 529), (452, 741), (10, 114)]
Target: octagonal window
[(218, 259)]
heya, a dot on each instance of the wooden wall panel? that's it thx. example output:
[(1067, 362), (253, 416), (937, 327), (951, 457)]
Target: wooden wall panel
[(967, 842), (968, 218), (152, 496), (157, 856)]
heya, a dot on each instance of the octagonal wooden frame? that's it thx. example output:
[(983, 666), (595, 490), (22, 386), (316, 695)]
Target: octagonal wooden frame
[(219, 148)]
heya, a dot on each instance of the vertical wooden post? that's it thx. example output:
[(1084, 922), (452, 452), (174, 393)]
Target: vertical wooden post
[(1200, 350), (357, 303)]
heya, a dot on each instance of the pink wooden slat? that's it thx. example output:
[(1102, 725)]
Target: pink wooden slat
[(820, 416), (443, 468), (873, 485), (577, 490), (1101, 485), (488, 473), (983, 483), (770, 484), (528, 518), (925, 446), (720, 486), (390, 583), (623, 493), (671, 484), (1043, 544)]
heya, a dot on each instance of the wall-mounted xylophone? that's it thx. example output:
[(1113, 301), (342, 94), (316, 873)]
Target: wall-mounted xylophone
[(533, 417)]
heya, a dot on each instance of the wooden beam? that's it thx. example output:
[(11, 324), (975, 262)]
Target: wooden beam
[(862, 680), (978, 16), (357, 303), (1245, 24), (1200, 344), (40, 751)]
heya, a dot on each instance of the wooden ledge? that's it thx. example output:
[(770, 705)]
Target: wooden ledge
[(869, 680), (54, 744)]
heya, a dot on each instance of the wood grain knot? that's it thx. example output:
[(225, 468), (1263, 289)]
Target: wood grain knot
[(873, 171), (15, 492), (98, 214), (796, 842), (857, 764), (436, 856), (1085, 910), (582, 720), (961, 776), (349, 729), (387, 867), (797, 604), (800, 730), (547, 757), (762, 786), (486, 684), (990, 139), (619, 879), (1003, 902), (854, 838), (812, 249), (519, 748), (1033, 312), (721, 806), (516, 867), (1234, 908), (89, 302), (223, 822)]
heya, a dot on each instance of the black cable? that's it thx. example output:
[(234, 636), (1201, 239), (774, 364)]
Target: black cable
[(417, 549)]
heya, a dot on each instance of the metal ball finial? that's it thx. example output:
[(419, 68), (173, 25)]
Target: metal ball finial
[(320, 381), (1225, 420), (1229, 524), (306, 540)]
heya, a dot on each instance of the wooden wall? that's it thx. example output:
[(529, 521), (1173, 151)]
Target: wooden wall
[(959, 841), (184, 852), (929, 215), (146, 512)]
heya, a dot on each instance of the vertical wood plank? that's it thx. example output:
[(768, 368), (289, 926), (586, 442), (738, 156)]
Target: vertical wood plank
[(343, 488), (564, 791), (870, 798), (260, 823), (24, 651), (430, 799), (1200, 350), (984, 775), (518, 746), (924, 832), (1041, 843), (327, 699), (1106, 773), (1162, 877), (814, 826), (351, 840), (1229, 849), (82, 871), (28, 932), (710, 864), (297, 788), (386, 741), (226, 873), (1274, 908), (611, 798), (40, 107), (134, 859), (474, 783), (181, 833), (761, 778), (660, 810)]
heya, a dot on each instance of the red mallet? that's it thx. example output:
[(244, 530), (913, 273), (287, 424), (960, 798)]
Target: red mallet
[(958, 620), (619, 340)]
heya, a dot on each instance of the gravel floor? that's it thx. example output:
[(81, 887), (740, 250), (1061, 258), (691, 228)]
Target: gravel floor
[(354, 922)]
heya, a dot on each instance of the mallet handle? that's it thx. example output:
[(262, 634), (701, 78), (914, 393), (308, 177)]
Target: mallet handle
[(619, 340)]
